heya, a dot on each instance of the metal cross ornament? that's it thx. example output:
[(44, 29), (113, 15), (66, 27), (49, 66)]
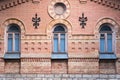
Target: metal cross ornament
[(36, 21), (83, 20)]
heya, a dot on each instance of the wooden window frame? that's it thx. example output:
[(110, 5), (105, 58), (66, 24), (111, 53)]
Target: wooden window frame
[(13, 41), (106, 41), (59, 41)]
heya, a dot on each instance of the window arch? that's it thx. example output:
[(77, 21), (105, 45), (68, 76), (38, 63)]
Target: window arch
[(59, 39), (13, 38)]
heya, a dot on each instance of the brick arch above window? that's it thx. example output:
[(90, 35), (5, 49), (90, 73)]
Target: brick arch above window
[(114, 26), (14, 21), (51, 25)]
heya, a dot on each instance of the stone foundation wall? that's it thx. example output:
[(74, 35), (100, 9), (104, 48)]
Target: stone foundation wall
[(59, 77)]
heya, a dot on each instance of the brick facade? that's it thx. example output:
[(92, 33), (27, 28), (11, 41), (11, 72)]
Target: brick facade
[(82, 43)]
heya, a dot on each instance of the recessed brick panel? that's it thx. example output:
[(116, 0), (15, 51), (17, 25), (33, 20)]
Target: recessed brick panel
[(12, 66), (107, 66), (59, 66)]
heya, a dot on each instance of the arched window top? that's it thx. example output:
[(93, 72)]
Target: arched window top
[(105, 27), (13, 28), (59, 28)]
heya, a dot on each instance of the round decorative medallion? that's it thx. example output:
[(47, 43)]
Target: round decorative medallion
[(59, 9)]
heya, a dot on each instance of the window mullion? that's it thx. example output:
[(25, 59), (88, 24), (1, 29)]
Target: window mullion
[(53, 41), (19, 42), (113, 45), (59, 37), (65, 42), (106, 37), (13, 47), (7, 41)]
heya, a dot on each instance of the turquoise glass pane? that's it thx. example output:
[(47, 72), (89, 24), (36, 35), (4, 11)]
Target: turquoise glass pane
[(17, 45), (62, 36), (62, 43), (102, 45), (10, 42), (109, 42), (55, 44)]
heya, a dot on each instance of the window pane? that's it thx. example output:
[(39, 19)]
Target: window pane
[(59, 28), (109, 42), (55, 35), (105, 27), (10, 44), (55, 44), (102, 44), (62, 36), (17, 46), (16, 35), (13, 28), (10, 35), (62, 45)]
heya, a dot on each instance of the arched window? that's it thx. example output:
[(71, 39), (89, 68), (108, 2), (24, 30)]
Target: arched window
[(13, 38), (106, 40), (59, 39)]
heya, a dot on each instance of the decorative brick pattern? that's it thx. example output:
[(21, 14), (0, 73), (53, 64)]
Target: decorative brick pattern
[(37, 46), (83, 66), (52, 12), (82, 46), (109, 3), (33, 65), (12, 4)]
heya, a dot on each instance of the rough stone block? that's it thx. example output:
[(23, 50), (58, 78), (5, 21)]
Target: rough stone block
[(40, 75), (87, 76), (78, 75), (65, 75), (58, 75), (31, 75), (49, 76), (102, 76), (112, 76)]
